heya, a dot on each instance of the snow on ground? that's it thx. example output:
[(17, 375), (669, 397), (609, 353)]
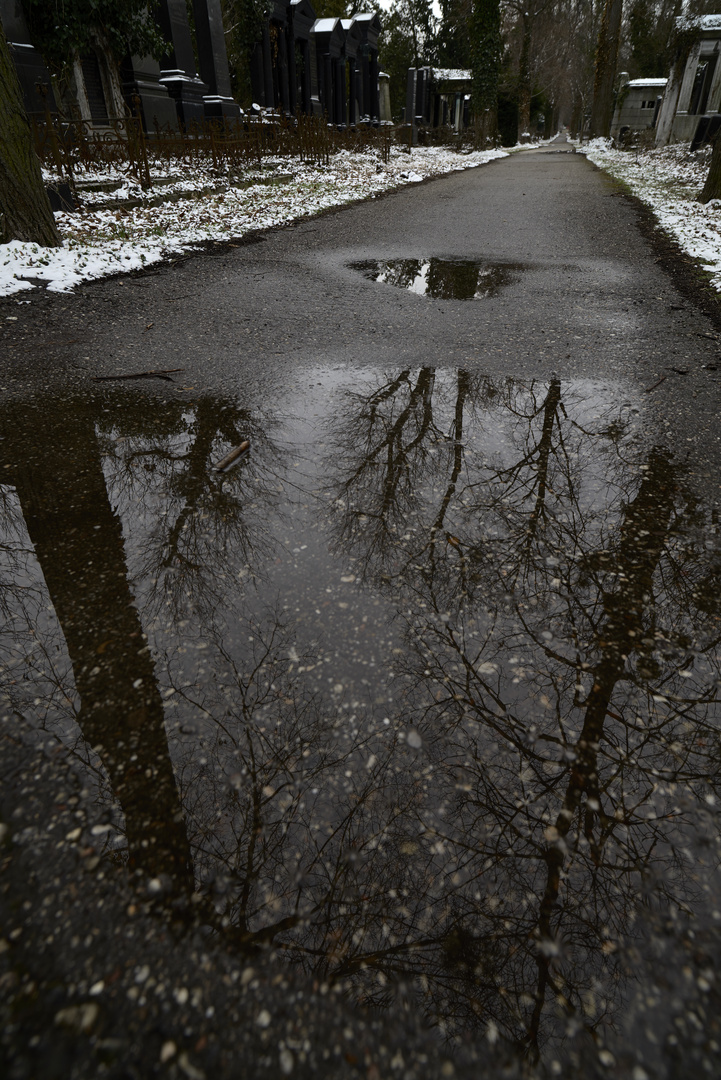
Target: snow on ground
[(669, 180), (195, 206)]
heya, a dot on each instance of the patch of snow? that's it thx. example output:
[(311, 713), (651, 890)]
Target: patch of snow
[(647, 82), (100, 240), (324, 26), (452, 74), (599, 145)]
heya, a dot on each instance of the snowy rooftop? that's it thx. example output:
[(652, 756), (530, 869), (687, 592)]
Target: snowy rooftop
[(701, 22), (324, 26), (451, 74), (647, 82)]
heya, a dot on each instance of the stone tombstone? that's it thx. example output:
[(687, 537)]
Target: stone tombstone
[(369, 27), (384, 97), (177, 69), (301, 49), (32, 73), (353, 42), (329, 37), (213, 60), (143, 90), (410, 112)]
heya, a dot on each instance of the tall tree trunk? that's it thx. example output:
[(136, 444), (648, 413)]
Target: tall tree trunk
[(606, 58), (486, 53), (24, 204), (641, 539), (712, 187), (524, 80)]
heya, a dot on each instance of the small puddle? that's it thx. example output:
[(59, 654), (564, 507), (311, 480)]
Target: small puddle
[(443, 279), (423, 693)]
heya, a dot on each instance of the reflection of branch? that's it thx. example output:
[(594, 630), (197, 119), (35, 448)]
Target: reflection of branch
[(183, 556)]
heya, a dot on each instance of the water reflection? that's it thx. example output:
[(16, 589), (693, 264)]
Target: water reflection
[(443, 279), (487, 837)]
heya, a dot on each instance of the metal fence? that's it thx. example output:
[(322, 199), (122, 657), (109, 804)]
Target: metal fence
[(73, 147)]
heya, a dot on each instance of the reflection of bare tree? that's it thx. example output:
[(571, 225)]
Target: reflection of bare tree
[(279, 811), (167, 460), (549, 649), (387, 448), (487, 846)]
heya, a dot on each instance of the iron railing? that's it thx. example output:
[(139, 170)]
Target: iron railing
[(72, 147)]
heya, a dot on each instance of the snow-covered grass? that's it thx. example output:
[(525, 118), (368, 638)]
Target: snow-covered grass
[(200, 205), (669, 180)]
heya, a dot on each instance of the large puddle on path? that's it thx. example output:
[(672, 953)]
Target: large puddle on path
[(443, 279), (423, 693)]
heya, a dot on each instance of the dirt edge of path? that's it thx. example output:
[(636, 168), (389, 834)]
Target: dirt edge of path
[(686, 273)]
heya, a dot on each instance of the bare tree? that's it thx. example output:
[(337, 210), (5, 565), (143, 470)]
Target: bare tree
[(609, 36)]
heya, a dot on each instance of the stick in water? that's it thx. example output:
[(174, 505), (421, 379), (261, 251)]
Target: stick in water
[(233, 456)]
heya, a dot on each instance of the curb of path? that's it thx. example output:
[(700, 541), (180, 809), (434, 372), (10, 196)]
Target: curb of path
[(687, 274), (258, 236)]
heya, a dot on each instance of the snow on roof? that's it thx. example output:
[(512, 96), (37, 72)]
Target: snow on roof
[(324, 26), (647, 82), (451, 73), (698, 22)]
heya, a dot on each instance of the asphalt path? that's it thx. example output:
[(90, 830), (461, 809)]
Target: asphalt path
[(108, 973), (595, 299)]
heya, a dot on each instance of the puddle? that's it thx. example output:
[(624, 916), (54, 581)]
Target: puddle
[(443, 279), (423, 693)]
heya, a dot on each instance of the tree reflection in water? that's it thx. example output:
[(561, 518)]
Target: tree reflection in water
[(490, 850), (560, 627)]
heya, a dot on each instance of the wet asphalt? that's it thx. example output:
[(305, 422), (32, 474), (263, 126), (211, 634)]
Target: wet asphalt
[(392, 752), (595, 298)]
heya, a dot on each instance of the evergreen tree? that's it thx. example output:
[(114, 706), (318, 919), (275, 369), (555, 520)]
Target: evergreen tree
[(454, 48)]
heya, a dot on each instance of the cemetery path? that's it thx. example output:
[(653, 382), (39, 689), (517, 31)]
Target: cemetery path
[(588, 296), (391, 748)]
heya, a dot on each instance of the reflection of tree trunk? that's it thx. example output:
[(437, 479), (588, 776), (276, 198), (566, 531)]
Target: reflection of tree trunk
[(78, 540), (461, 395), (194, 479), (545, 444), (642, 538), (387, 392), (397, 453)]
